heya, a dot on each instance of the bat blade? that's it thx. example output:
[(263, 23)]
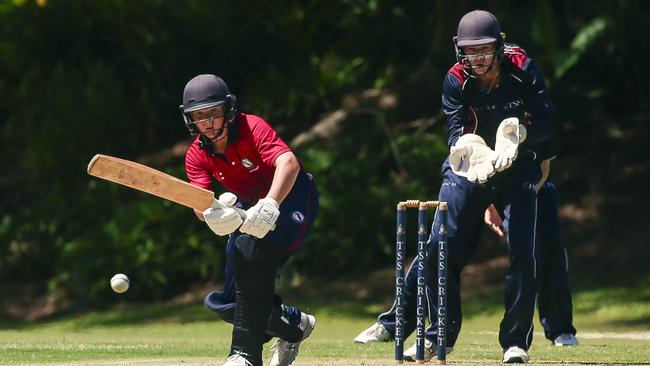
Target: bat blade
[(149, 180)]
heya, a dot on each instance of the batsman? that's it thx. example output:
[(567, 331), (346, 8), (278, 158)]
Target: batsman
[(278, 203)]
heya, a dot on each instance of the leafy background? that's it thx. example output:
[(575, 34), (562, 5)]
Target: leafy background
[(353, 85)]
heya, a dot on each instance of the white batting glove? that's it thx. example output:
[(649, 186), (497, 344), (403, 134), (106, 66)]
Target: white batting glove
[(222, 218), (471, 158), (507, 142), (261, 218)]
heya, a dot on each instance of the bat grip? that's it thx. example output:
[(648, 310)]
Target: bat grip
[(240, 212)]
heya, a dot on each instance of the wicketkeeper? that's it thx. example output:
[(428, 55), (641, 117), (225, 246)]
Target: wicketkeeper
[(497, 110), (278, 203)]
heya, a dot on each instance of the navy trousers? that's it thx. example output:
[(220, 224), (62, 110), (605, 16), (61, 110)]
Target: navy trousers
[(554, 303), (297, 215)]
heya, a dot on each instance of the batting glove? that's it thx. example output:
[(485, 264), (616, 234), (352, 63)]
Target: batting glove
[(507, 141), (471, 158), (261, 218), (222, 218)]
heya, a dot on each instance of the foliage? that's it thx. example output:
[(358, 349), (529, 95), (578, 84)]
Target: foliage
[(84, 77)]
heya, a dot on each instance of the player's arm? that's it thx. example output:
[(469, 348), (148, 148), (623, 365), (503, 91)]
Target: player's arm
[(538, 105), (221, 217), (197, 174), (287, 168), (261, 217), (453, 107)]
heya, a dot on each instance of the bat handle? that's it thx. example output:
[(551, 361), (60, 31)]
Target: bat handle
[(241, 212)]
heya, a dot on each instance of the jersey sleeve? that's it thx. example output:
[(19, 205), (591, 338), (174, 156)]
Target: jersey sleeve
[(453, 107), (267, 141), (537, 104), (195, 168)]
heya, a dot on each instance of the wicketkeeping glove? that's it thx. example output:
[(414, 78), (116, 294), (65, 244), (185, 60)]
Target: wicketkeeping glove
[(222, 218), (509, 136), (471, 158), (261, 218)]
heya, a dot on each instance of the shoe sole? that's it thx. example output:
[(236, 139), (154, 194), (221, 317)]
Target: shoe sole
[(515, 360)]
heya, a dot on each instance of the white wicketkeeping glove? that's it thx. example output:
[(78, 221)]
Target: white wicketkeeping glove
[(261, 218), (222, 218), (507, 141), (471, 158)]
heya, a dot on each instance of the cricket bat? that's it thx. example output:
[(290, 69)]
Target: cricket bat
[(149, 180)]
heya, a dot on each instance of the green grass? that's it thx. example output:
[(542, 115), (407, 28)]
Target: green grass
[(613, 325)]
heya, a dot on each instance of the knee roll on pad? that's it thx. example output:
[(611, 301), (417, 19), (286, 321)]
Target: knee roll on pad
[(277, 325), (223, 307)]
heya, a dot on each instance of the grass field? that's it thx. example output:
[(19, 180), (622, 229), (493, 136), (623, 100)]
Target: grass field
[(613, 325)]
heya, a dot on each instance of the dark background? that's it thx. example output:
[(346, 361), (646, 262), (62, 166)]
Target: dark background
[(354, 86)]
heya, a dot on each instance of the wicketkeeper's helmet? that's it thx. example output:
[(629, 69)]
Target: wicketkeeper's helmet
[(476, 28)]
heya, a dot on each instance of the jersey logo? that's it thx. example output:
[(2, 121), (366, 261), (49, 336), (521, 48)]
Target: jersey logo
[(248, 164), (298, 217)]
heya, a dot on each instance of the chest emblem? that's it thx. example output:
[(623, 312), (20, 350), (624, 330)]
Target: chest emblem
[(248, 164)]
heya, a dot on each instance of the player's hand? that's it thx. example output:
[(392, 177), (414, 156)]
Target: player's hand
[(222, 218), (507, 141), (493, 220), (471, 158), (261, 218)]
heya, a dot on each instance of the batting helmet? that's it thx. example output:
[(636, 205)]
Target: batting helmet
[(205, 91)]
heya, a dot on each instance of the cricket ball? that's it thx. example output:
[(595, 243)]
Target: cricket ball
[(120, 283)]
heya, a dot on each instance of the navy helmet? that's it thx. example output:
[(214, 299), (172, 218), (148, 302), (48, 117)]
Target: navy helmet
[(478, 27), (205, 91)]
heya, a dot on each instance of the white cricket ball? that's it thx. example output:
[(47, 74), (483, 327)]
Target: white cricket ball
[(120, 283)]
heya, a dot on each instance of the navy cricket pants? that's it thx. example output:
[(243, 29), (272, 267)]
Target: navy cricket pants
[(554, 301), (297, 215)]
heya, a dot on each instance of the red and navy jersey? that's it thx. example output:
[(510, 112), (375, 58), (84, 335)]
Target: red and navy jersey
[(246, 168), (521, 94)]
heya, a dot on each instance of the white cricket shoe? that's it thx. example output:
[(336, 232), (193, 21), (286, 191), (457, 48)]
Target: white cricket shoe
[(566, 339), (286, 352), (430, 350), (237, 360), (375, 333), (515, 354)]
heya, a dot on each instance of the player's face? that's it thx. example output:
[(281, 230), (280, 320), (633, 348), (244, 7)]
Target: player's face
[(210, 121), (481, 57)]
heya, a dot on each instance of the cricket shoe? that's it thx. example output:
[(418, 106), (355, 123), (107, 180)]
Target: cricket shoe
[(515, 354), (430, 350), (566, 339), (237, 359), (286, 352), (375, 333)]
